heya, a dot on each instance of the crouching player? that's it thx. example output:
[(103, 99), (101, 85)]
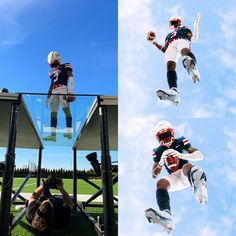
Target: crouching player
[(174, 154)]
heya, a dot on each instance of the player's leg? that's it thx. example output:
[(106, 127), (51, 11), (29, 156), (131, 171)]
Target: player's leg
[(189, 61), (171, 58), (66, 109), (68, 133), (198, 181), (54, 106), (162, 217)]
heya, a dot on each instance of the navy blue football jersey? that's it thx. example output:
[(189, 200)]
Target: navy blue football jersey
[(181, 145), (180, 33), (60, 75)]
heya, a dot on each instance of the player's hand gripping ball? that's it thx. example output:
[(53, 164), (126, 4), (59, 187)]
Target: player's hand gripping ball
[(151, 35), (172, 162)]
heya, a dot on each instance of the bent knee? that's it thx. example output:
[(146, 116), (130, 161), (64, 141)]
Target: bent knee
[(163, 184), (185, 51), (186, 168)]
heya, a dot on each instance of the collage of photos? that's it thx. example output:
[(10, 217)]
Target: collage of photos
[(117, 118)]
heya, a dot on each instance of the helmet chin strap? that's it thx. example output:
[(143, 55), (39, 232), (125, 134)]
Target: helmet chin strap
[(167, 144)]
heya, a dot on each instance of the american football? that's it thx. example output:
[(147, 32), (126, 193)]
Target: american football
[(172, 163), (151, 35)]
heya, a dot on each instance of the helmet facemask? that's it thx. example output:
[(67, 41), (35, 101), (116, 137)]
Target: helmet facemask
[(175, 22), (166, 137)]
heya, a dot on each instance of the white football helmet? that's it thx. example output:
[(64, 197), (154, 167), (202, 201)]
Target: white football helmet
[(54, 59), (175, 22), (164, 133)]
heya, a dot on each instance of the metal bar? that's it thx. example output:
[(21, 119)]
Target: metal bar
[(76, 94), (100, 191), (8, 174), (19, 196), (39, 167), (17, 193), (96, 225), (91, 183), (75, 178), (17, 218), (108, 210)]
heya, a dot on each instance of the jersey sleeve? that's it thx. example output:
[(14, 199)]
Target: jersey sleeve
[(156, 155), (186, 143), (68, 69), (187, 30)]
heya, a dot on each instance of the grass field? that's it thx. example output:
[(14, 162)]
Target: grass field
[(82, 186), (79, 225)]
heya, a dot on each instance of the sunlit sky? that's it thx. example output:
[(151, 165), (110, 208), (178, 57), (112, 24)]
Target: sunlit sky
[(83, 32)]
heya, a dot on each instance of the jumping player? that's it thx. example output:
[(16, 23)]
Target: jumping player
[(176, 45), (174, 154), (60, 75)]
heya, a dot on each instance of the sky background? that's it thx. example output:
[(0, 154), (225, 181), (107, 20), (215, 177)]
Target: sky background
[(206, 114), (83, 32)]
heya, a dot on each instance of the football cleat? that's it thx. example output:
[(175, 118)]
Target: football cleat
[(51, 137), (191, 67), (68, 135), (172, 95), (198, 181), (162, 218)]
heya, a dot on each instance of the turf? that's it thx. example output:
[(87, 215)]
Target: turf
[(82, 186)]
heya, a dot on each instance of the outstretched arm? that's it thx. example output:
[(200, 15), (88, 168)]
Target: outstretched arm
[(151, 36), (195, 35), (160, 47)]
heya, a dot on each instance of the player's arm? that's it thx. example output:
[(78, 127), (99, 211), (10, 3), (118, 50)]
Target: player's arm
[(50, 91), (36, 194), (193, 154), (160, 47), (156, 170), (70, 77), (66, 197)]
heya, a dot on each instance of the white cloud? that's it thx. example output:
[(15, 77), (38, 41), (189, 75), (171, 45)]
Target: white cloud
[(202, 112), (12, 32), (207, 231), (227, 24)]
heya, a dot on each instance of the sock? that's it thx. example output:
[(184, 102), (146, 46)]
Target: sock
[(54, 119), (163, 199), (192, 56), (172, 78)]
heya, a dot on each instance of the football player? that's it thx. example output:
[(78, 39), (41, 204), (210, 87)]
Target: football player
[(177, 43), (174, 154), (60, 75)]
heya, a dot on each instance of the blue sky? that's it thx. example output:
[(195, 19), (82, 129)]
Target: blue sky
[(83, 32), (206, 114)]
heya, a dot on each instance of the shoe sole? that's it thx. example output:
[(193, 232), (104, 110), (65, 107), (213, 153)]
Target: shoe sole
[(165, 96), (168, 228)]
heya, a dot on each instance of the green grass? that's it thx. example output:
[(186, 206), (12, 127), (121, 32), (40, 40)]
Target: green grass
[(78, 226), (82, 186)]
